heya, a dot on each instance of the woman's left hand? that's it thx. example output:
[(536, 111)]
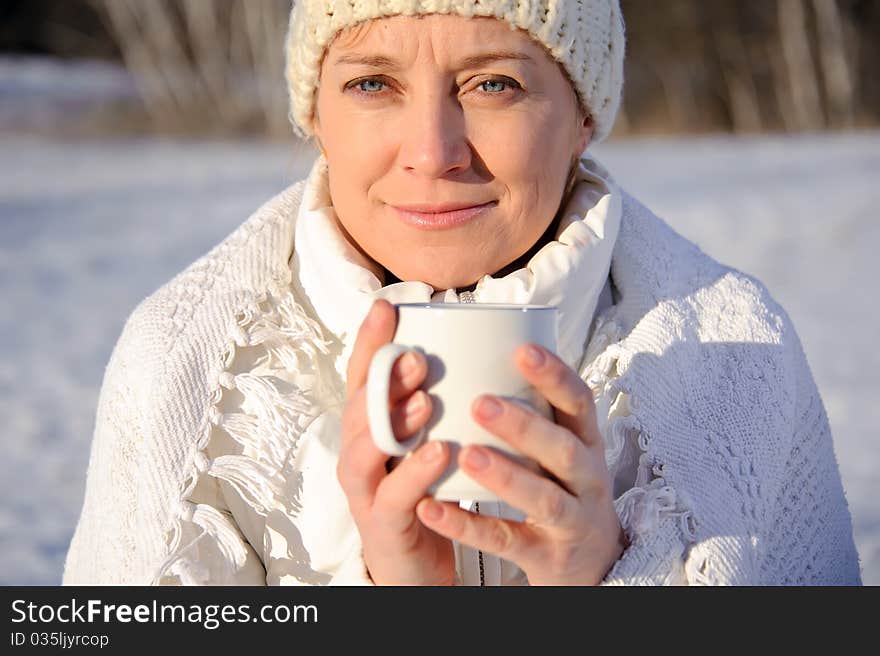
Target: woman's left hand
[(571, 535)]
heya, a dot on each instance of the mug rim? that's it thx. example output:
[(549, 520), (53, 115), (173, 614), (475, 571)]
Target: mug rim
[(477, 306)]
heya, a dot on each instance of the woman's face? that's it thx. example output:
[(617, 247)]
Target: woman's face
[(441, 110)]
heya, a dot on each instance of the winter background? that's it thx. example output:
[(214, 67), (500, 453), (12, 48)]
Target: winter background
[(89, 226)]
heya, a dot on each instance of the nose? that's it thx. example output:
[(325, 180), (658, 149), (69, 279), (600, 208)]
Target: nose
[(433, 137)]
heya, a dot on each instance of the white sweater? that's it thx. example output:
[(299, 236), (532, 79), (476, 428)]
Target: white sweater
[(213, 459)]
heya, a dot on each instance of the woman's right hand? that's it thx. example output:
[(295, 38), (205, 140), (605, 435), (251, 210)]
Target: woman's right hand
[(398, 548)]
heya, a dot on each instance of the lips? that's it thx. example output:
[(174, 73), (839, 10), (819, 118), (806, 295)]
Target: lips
[(440, 217), (425, 208)]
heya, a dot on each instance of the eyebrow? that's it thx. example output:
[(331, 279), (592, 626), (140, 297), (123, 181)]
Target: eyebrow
[(474, 61)]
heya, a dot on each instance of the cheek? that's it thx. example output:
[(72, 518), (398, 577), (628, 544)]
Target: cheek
[(344, 134), (506, 142), (530, 154), (533, 194), (543, 185), (519, 133), (344, 142), (358, 157)]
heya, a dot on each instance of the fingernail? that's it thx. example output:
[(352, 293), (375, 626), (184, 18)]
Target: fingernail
[(409, 364), (431, 451), (476, 458), (371, 315), (488, 408), (415, 405), (432, 510), (375, 314), (534, 357)]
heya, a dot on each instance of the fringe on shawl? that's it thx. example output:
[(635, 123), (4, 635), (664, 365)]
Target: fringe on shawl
[(640, 508), (281, 413), (274, 320)]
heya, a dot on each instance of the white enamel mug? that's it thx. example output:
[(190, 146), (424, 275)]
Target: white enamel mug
[(470, 349)]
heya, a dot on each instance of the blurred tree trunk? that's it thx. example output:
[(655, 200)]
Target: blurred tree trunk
[(838, 82), (804, 110), (734, 62), (206, 65), (217, 66), (161, 99), (266, 28)]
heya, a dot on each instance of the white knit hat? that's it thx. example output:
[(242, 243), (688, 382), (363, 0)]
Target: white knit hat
[(585, 36)]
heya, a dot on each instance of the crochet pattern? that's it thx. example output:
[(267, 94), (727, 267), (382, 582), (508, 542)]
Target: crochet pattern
[(700, 374), (585, 36), (288, 341)]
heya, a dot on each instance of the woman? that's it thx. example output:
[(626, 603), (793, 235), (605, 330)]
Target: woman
[(689, 443)]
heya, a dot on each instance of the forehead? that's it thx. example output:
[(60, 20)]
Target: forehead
[(392, 32)]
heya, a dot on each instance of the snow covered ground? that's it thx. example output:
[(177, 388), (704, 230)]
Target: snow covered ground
[(89, 228)]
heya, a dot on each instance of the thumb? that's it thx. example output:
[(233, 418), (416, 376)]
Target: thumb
[(376, 330)]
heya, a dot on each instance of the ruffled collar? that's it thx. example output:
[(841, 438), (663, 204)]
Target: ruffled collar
[(569, 272)]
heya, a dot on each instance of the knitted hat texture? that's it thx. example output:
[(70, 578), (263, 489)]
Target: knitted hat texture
[(585, 36)]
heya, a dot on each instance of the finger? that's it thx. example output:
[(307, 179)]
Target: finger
[(563, 389), (403, 488), (376, 330), (410, 414), (541, 499), (408, 372), (513, 541), (361, 465), (555, 448)]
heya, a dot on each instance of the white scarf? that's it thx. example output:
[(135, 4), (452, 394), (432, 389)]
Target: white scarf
[(570, 272)]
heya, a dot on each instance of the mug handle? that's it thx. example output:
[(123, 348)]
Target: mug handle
[(378, 384)]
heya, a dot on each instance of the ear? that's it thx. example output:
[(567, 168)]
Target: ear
[(585, 134), (316, 135)]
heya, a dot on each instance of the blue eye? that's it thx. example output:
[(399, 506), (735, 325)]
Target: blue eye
[(358, 86), (377, 86), (369, 81), (506, 81)]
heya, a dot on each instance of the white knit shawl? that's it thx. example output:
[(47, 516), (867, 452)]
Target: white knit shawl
[(706, 371)]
